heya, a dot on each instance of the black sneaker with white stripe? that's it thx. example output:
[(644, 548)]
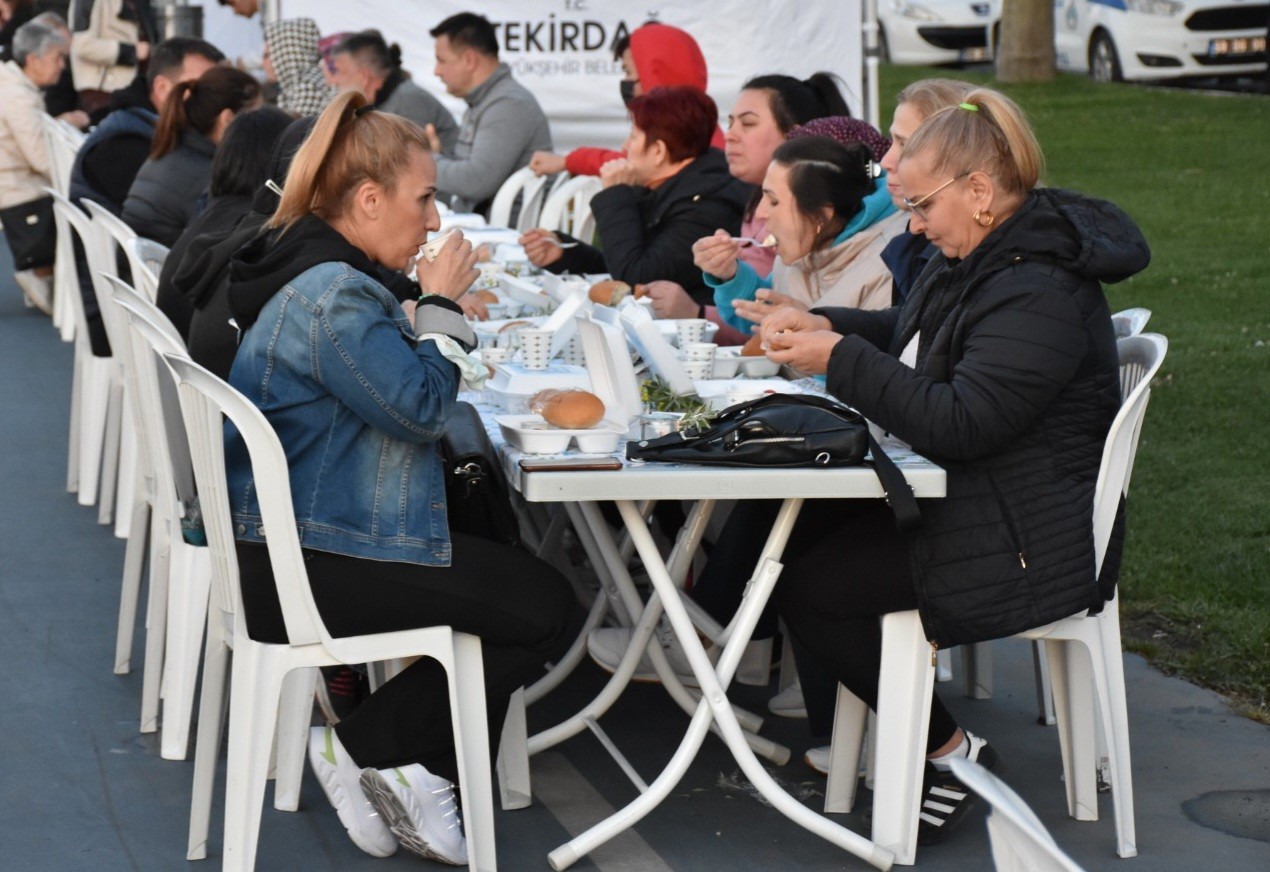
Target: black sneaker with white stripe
[(945, 800)]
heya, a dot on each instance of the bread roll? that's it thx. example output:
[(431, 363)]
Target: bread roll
[(609, 292), (753, 347), (568, 409), (513, 326), (485, 296)]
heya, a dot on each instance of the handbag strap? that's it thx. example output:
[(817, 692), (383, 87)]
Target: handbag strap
[(898, 492)]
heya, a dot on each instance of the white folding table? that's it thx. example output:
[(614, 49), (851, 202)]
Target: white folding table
[(580, 491)]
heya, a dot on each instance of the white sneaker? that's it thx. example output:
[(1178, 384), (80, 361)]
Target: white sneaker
[(340, 778), (818, 758), (421, 810), (607, 645), (788, 703)]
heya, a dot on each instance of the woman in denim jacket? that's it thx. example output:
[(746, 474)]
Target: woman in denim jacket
[(358, 387)]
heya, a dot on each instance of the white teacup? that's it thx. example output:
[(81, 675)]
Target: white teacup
[(690, 330), (430, 249), (699, 351)]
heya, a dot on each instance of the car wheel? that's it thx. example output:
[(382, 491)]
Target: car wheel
[(1104, 63)]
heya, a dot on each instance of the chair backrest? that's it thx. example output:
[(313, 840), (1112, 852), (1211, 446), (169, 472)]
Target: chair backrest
[(146, 258), (108, 232), (1140, 359), (160, 425), (69, 216), (569, 208), (527, 188), (206, 401), (1130, 322), (1020, 843)]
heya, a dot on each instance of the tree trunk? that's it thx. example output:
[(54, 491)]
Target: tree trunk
[(1026, 50)]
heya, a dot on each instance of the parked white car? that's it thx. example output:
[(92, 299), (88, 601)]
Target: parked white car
[(928, 32), (1148, 40)]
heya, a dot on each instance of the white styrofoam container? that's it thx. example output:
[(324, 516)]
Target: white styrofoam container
[(532, 435)]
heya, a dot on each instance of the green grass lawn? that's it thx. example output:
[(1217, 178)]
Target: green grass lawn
[(1193, 169)]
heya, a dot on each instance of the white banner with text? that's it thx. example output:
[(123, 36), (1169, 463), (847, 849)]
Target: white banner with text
[(562, 50)]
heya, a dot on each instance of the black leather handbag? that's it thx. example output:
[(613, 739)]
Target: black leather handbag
[(774, 430), (786, 430), (477, 498), (31, 233)]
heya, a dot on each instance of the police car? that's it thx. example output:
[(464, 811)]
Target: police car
[(1149, 40)]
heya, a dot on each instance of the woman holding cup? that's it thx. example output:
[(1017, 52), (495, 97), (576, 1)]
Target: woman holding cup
[(358, 388)]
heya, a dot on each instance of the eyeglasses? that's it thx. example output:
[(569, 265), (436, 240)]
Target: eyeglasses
[(916, 206)]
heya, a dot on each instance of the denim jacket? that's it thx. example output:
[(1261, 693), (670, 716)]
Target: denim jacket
[(358, 405)]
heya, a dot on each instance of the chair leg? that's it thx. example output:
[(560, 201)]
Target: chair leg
[(130, 590), (110, 453), (128, 474), (1044, 692), (471, 747), (255, 690), (1071, 674), (977, 659), (190, 580), (73, 439), (94, 405), (156, 625), (904, 691), (295, 712), (1113, 704), (514, 786), (211, 723), (944, 666), (849, 722)]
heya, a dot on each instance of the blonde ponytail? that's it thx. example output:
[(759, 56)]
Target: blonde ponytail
[(986, 131), (350, 144)]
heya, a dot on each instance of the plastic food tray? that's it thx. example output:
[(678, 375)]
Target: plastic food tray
[(532, 435)]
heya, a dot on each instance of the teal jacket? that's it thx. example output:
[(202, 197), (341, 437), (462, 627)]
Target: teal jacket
[(746, 283)]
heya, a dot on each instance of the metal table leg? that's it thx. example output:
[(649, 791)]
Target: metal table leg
[(714, 705)]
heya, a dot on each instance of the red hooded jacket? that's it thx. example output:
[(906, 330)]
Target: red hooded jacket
[(664, 56)]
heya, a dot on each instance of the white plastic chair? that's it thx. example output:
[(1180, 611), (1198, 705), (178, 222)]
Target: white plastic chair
[(180, 572), (146, 258), (978, 658), (527, 188), (119, 464), (259, 669), (1130, 322), (569, 208), (1020, 843), (94, 380), (62, 148), (907, 673)]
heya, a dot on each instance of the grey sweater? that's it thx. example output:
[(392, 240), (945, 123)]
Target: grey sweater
[(400, 96), (502, 128)]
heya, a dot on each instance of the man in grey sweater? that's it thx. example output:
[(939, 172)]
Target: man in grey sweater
[(365, 62), (503, 125)]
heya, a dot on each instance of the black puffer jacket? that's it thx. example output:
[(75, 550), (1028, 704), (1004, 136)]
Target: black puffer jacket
[(1015, 388), (168, 192), (648, 234)]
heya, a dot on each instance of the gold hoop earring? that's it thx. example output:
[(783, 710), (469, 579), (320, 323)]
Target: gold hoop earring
[(984, 218)]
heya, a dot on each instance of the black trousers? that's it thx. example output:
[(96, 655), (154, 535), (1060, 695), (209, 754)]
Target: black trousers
[(845, 567), (523, 610)]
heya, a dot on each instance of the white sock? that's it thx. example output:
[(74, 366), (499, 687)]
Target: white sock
[(963, 750)]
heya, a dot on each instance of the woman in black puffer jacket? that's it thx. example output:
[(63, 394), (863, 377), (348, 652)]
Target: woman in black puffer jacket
[(168, 190), (1001, 366)]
